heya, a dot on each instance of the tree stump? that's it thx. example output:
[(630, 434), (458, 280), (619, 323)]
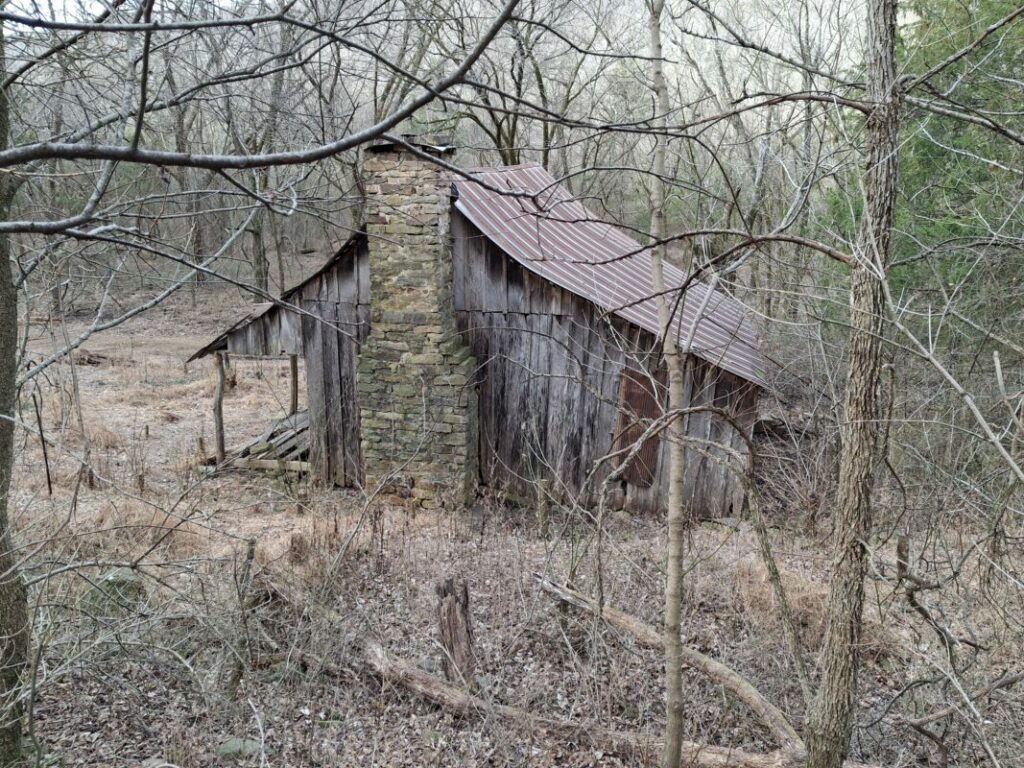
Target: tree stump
[(459, 661)]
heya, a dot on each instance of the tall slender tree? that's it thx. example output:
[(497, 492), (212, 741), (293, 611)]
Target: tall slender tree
[(831, 718), (674, 704), (13, 605)]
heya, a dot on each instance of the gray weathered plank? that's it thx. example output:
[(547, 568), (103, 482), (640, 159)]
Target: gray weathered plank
[(312, 342), (348, 317), (333, 396)]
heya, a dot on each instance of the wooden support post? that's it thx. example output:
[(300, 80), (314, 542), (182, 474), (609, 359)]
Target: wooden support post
[(293, 402), (218, 406), (459, 660)]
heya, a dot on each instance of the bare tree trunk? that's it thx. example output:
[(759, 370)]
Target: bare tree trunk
[(832, 715), (14, 636), (189, 182), (14, 627), (76, 392), (674, 704), (278, 240), (197, 239), (260, 262), (789, 632)]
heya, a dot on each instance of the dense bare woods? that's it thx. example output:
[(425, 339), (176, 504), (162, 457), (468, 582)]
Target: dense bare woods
[(850, 171)]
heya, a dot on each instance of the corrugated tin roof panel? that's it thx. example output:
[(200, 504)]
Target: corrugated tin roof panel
[(555, 236)]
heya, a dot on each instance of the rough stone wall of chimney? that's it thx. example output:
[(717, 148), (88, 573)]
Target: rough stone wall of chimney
[(417, 405)]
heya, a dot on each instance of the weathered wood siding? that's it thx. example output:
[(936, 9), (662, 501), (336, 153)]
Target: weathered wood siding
[(334, 319), (549, 385), (272, 333), (337, 321)]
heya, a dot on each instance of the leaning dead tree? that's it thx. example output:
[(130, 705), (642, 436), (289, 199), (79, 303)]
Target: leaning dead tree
[(769, 715)]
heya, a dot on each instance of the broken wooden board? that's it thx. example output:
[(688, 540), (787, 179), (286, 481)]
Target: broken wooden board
[(272, 465), (284, 446)]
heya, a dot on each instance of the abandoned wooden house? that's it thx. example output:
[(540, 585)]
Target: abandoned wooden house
[(490, 332)]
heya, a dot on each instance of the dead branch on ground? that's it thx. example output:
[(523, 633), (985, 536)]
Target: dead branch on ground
[(650, 637)]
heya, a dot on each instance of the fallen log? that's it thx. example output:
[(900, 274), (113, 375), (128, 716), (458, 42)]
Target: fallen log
[(457, 700), (644, 748), (1005, 681), (650, 637)]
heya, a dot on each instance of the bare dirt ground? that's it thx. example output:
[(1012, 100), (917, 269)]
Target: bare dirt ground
[(174, 671)]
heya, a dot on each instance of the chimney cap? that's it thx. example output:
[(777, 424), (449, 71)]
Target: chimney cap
[(439, 144)]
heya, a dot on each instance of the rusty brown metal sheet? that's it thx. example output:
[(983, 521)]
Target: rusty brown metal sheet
[(539, 224)]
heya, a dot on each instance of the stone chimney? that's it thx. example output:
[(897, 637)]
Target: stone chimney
[(417, 410)]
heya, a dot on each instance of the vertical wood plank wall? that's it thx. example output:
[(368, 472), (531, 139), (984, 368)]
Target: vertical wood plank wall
[(335, 316), (550, 367)]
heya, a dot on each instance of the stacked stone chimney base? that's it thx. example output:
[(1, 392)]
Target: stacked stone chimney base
[(418, 411), (417, 405)]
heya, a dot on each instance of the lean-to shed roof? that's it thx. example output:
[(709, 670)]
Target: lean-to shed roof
[(259, 311), (555, 236)]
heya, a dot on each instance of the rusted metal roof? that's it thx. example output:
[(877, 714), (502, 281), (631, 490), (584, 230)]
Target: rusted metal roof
[(542, 227)]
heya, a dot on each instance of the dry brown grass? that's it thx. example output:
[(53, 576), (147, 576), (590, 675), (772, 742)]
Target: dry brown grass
[(100, 436)]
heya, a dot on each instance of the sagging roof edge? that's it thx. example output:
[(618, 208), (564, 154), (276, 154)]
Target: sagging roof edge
[(347, 248)]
